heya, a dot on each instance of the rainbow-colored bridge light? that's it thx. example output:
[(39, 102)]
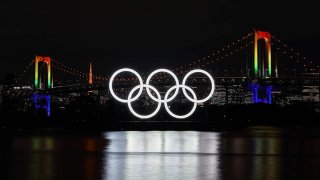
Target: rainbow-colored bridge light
[(258, 63), (46, 60)]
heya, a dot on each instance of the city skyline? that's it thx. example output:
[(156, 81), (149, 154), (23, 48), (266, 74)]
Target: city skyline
[(138, 89)]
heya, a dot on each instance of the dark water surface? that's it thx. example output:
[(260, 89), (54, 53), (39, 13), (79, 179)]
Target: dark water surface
[(256, 153)]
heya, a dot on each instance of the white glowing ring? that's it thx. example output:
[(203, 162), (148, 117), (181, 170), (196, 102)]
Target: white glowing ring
[(175, 79), (131, 100), (168, 109), (125, 70), (184, 82), (158, 99)]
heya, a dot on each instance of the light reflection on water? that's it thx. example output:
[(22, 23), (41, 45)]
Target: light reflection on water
[(162, 155), (259, 153)]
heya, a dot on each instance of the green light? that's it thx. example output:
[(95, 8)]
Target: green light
[(36, 83), (269, 59), (49, 74), (255, 55), (266, 37), (46, 60)]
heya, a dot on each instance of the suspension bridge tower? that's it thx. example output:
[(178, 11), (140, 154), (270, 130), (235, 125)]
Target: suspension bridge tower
[(262, 62), (41, 97), (262, 67)]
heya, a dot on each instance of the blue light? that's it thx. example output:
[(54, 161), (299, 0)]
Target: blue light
[(42, 102), (256, 88)]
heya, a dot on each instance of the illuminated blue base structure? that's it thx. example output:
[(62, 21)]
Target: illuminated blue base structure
[(261, 94), (42, 102)]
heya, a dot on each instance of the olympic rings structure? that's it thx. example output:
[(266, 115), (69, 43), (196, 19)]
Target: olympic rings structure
[(158, 99)]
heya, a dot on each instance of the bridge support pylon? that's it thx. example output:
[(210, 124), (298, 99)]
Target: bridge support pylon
[(42, 101), (260, 64), (261, 93), (41, 97)]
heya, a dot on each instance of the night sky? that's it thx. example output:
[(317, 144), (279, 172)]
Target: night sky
[(144, 34)]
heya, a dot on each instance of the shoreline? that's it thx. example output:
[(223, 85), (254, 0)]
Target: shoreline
[(210, 118)]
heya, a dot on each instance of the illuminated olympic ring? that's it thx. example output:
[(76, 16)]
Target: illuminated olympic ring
[(158, 98)]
